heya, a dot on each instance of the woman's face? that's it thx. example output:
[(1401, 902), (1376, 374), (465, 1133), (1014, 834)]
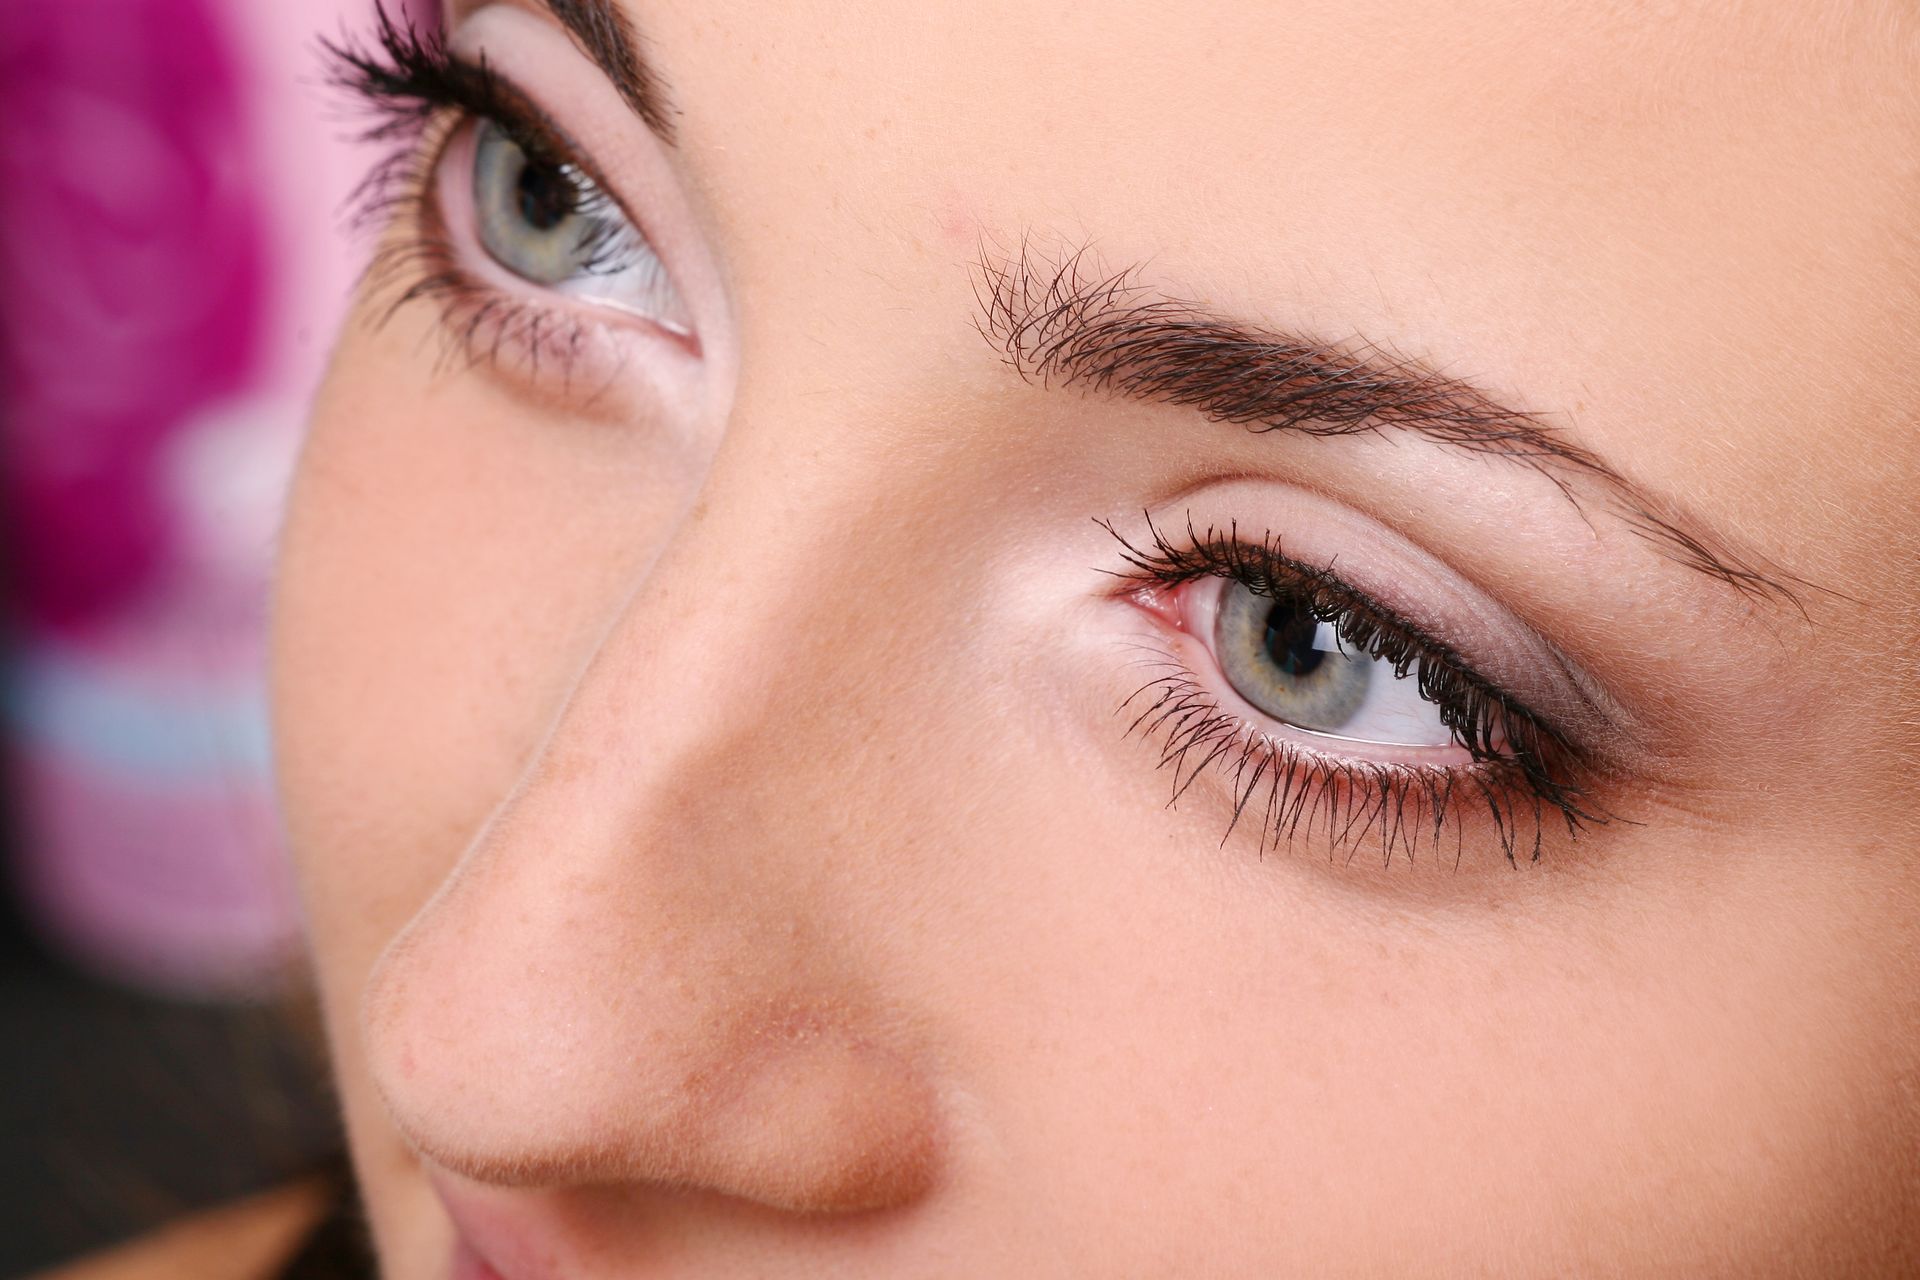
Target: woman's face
[(1124, 640)]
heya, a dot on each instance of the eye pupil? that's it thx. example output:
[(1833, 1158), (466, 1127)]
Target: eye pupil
[(1291, 631), (545, 196)]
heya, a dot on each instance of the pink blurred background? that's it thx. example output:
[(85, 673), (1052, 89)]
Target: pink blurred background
[(171, 182), (173, 263)]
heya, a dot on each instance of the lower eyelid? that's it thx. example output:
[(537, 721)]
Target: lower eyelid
[(1281, 794), (576, 352)]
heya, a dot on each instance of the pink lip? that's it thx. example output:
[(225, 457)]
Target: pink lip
[(468, 1265), (489, 1244)]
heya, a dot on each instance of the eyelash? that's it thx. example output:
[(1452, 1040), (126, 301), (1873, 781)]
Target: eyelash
[(1532, 772), (420, 96)]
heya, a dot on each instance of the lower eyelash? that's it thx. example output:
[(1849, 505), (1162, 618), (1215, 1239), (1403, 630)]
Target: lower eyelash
[(478, 324), (1296, 793), (416, 261)]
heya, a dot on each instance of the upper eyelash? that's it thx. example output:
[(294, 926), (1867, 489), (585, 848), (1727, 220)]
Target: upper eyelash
[(1538, 759), (405, 80)]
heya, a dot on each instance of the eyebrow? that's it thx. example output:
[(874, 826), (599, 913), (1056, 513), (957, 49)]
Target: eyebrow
[(1062, 321), (606, 34)]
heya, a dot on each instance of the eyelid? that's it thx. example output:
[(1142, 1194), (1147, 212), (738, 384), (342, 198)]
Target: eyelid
[(1293, 789), (1518, 762), (571, 356), (627, 160)]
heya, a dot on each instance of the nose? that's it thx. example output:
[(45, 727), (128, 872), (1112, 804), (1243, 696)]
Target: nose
[(645, 968)]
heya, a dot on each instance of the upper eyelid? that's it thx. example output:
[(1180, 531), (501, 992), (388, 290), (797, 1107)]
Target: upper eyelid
[(414, 81), (605, 33), (1062, 320)]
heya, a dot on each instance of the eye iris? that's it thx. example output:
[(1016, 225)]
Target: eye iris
[(1279, 656), (542, 217), (530, 211)]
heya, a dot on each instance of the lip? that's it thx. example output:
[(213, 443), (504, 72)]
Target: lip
[(490, 1244), (468, 1265)]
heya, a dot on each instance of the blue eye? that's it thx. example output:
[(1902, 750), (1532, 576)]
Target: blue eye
[(550, 224), (1290, 664)]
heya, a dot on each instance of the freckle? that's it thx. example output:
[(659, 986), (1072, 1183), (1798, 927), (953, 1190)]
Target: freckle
[(953, 219)]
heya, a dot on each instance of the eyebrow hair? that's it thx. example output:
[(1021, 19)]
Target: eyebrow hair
[(606, 34), (1061, 321)]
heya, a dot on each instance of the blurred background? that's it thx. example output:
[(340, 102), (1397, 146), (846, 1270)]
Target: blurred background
[(173, 262)]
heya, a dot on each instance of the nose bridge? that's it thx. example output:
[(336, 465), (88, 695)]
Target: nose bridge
[(636, 971), (671, 764)]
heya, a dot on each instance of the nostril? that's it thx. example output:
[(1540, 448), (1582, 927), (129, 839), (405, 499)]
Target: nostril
[(825, 1124)]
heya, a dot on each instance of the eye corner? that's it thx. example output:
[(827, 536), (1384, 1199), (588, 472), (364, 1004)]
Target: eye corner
[(1161, 601)]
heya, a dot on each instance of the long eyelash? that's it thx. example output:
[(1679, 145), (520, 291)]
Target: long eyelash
[(1296, 794), (404, 81), (415, 93), (1522, 767)]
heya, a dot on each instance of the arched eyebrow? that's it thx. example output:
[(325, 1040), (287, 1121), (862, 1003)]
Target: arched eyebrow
[(1063, 321), (606, 34)]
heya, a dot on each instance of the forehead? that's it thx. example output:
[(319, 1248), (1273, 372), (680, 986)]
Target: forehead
[(1336, 135), (1269, 108), (1717, 203)]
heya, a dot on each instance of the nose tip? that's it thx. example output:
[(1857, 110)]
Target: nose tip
[(587, 1055)]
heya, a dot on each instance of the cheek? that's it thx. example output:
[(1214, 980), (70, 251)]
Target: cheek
[(1535, 1073), (422, 641), (422, 637)]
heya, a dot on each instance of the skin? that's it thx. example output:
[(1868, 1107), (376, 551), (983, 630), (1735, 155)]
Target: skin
[(721, 852)]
